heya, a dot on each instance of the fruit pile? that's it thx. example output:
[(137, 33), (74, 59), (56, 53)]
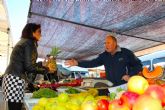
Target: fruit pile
[(65, 101), (138, 96)]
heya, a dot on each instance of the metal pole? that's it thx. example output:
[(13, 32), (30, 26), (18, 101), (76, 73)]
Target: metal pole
[(8, 46)]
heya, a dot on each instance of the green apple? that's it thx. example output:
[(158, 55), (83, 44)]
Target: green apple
[(89, 98), (80, 99), (43, 101), (74, 101), (37, 107), (50, 106), (60, 107), (89, 105), (63, 97), (52, 100), (72, 106)]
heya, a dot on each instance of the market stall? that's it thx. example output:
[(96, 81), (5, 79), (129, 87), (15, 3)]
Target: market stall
[(78, 29), (136, 95)]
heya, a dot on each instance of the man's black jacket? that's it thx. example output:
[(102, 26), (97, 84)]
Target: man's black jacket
[(121, 63)]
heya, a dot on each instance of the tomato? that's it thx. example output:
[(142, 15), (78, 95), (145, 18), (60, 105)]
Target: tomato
[(103, 104)]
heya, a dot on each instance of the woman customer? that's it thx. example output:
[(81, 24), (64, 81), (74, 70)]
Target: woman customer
[(23, 59)]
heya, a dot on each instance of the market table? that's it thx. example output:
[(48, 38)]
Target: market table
[(29, 102)]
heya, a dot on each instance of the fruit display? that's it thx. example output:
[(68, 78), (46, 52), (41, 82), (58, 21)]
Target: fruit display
[(82, 101), (139, 95)]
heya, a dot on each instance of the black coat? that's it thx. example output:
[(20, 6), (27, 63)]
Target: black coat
[(23, 58)]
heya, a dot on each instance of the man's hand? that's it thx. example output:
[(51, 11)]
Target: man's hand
[(71, 62), (125, 77)]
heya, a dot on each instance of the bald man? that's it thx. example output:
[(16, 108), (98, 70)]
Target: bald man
[(120, 63)]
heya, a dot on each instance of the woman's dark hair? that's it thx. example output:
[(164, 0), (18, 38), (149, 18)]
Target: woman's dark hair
[(28, 30)]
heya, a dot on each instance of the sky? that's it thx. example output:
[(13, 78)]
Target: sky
[(17, 12), (17, 15)]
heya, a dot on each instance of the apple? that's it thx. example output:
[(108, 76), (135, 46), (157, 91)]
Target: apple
[(37, 107), (72, 106), (42, 101), (137, 84), (63, 97), (118, 105), (129, 98), (89, 105), (52, 100), (103, 104), (146, 102), (80, 98), (156, 91), (59, 107), (163, 86), (50, 106), (89, 98)]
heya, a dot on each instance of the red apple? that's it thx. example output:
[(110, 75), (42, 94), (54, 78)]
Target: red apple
[(146, 102), (157, 92), (163, 85), (129, 98), (118, 105), (103, 104)]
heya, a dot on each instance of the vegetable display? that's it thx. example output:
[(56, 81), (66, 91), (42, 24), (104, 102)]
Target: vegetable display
[(72, 90), (44, 92)]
